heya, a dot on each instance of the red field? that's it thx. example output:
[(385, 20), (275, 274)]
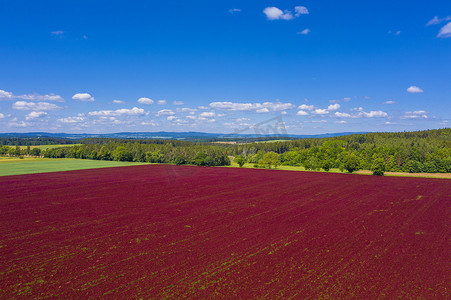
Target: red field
[(165, 231)]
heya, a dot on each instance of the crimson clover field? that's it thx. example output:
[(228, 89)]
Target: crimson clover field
[(161, 231)]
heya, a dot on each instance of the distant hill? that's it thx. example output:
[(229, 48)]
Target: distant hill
[(169, 135)]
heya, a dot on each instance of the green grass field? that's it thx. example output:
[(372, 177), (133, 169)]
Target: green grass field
[(15, 166), (45, 147)]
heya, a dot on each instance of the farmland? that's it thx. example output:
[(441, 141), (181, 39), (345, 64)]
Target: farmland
[(179, 231), (29, 165)]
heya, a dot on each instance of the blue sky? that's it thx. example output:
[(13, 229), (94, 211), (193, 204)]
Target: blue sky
[(221, 66)]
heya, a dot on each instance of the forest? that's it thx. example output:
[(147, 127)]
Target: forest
[(426, 151)]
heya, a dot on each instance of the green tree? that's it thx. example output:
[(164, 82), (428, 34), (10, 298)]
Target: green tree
[(240, 160), (122, 154), (269, 159), (351, 162), (378, 167)]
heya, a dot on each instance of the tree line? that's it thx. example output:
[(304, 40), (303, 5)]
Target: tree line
[(415, 152)]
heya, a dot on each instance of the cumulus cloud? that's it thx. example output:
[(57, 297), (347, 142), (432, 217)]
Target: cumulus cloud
[(274, 13), (186, 110), (39, 106), (302, 113), (362, 114), (320, 111), (261, 107), (135, 111), (436, 20), (37, 97), (178, 103), (342, 115), (148, 123), (262, 110), (374, 114), (161, 102), (165, 112), (414, 89), (71, 120), (333, 107), (4, 95), (300, 10), (306, 107), (419, 114), (445, 31), (118, 102), (83, 97), (304, 32), (19, 124), (172, 118), (207, 114), (35, 115), (145, 100), (2, 116)]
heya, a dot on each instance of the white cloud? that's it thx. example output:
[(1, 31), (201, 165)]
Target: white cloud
[(203, 107), (306, 107), (118, 102), (39, 106), (302, 113), (305, 31), (342, 115), (135, 111), (19, 124), (445, 31), (320, 111), (340, 122), (57, 32), (144, 100), (161, 102), (37, 97), (2, 116), (178, 103), (273, 13), (389, 102), (414, 89), (35, 115), (436, 20), (300, 10), (71, 120), (83, 97), (207, 114), (186, 110), (262, 110), (172, 118), (4, 95), (165, 112), (374, 114), (234, 10), (419, 114), (371, 114), (273, 106), (322, 121), (333, 107), (148, 123)]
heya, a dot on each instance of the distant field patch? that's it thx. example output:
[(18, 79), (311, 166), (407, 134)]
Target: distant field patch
[(16, 166), (45, 147)]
